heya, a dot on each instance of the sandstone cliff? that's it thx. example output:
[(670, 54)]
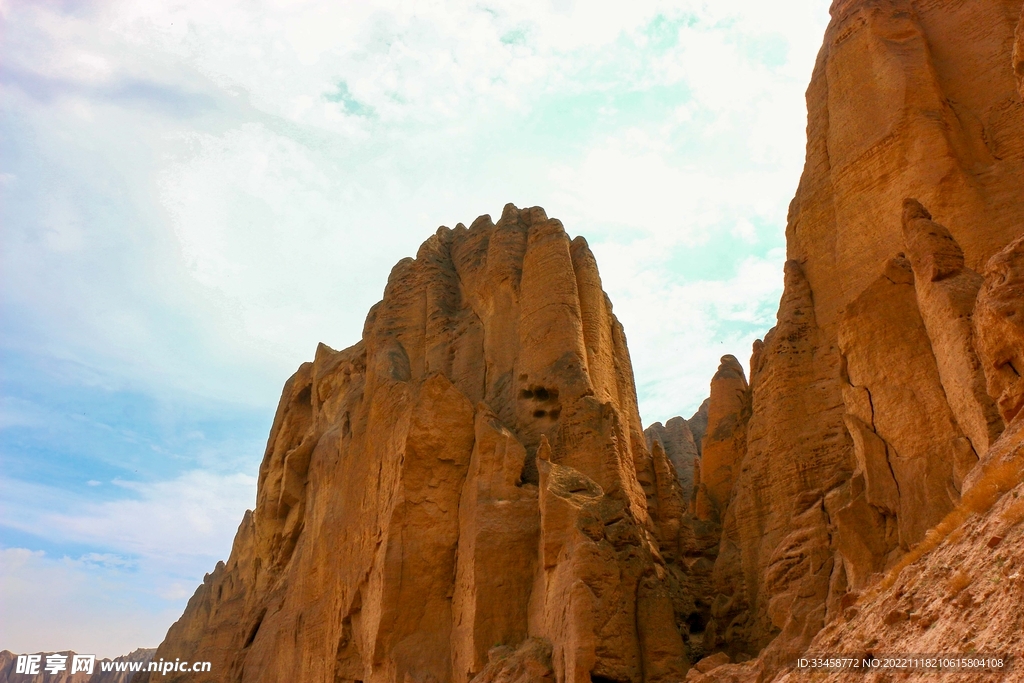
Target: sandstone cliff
[(464, 494), (959, 588), (868, 407)]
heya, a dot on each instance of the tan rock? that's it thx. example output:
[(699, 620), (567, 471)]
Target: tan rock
[(698, 423), (959, 596), (530, 663), (797, 448), (902, 102), (679, 445), (1018, 54), (908, 445), (1000, 329), (724, 443), (946, 291), (709, 663), (464, 494)]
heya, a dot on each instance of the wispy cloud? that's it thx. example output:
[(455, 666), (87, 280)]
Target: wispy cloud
[(177, 525), (92, 605), (153, 544)]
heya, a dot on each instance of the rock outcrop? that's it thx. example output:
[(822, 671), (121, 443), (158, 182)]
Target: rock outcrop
[(677, 440), (856, 446), (725, 440), (960, 590), (698, 424), (1018, 56), (466, 493), (946, 533)]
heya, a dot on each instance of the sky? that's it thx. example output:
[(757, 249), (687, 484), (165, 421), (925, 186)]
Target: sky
[(193, 194)]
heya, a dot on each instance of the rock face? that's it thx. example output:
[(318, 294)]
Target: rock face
[(963, 589), (869, 400), (947, 532), (725, 441), (1018, 56), (698, 423), (465, 493), (680, 446)]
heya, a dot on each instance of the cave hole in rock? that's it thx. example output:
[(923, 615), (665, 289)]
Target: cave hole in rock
[(696, 623), (595, 678), (539, 393), (539, 413)]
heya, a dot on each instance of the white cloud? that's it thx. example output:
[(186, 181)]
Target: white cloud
[(684, 328), (91, 607), (182, 526), (155, 548)]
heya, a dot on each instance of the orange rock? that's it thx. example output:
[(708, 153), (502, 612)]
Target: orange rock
[(906, 440), (698, 424), (1000, 329), (680, 446), (471, 474), (709, 663), (902, 102), (1018, 55), (946, 291), (725, 441)]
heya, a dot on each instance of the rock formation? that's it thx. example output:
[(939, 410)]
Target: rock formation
[(962, 588), (1018, 56), (725, 440), (944, 527), (464, 493), (902, 103), (680, 446), (698, 424)]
